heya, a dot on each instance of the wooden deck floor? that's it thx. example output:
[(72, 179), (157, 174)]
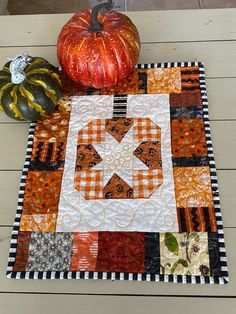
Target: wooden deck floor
[(200, 35)]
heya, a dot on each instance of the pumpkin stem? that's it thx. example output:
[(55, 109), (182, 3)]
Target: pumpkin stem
[(95, 26), (17, 66)]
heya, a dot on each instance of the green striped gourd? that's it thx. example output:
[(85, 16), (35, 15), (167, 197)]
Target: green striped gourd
[(35, 95)]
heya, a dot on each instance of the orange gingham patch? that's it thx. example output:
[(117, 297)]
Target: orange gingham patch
[(145, 182), (89, 184), (146, 130), (93, 132)]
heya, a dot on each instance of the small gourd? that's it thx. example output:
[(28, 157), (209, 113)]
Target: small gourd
[(29, 88)]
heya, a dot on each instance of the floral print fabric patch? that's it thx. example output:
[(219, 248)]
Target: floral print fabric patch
[(120, 183)]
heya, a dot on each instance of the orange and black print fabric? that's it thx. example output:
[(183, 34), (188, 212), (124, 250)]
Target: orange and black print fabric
[(120, 183)]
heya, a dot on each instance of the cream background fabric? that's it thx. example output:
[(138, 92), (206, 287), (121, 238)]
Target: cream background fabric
[(154, 214)]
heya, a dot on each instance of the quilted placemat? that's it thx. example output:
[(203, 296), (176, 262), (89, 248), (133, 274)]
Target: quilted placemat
[(121, 184)]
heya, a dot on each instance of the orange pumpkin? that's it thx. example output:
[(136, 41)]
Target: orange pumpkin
[(99, 47)]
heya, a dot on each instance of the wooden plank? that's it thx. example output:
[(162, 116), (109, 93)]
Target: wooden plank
[(15, 303), (9, 186), (221, 98), (13, 145), (219, 57), (154, 26), (5, 119), (116, 287), (221, 94), (13, 142)]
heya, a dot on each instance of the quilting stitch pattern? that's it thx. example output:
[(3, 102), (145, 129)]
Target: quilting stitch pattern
[(195, 254)]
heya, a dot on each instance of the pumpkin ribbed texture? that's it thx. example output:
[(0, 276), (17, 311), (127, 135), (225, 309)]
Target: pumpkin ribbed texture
[(98, 59)]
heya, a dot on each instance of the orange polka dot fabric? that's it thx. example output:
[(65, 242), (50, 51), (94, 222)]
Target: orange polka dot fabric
[(193, 252), (188, 138)]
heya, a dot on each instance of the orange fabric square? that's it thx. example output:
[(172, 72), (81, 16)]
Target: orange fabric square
[(188, 138), (42, 192), (145, 182), (89, 183), (146, 130), (190, 79), (197, 219), (22, 251), (128, 86), (193, 187), (85, 250), (38, 223), (164, 81), (53, 127), (93, 132)]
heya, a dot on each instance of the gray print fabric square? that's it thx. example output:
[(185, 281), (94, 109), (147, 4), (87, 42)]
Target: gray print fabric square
[(50, 251)]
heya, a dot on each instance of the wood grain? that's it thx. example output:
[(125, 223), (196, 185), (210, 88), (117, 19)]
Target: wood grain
[(153, 26), (113, 304)]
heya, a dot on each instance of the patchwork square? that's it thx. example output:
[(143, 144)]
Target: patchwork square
[(196, 219), (164, 81), (188, 138), (120, 183), (40, 222), (92, 133), (89, 184), (121, 251), (49, 251), (146, 182), (193, 187), (85, 251), (184, 254), (42, 192)]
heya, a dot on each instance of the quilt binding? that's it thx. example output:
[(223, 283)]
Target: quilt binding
[(130, 276)]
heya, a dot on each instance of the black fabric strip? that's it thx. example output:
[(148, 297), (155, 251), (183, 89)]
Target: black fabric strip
[(40, 275), (117, 276), (45, 165), (120, 101), (49, 152), (184, 88), (182, 220), (207, 219), (196, 161), (189, 72), (120, 107)]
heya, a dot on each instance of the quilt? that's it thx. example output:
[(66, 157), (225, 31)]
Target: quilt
[(120, 183)]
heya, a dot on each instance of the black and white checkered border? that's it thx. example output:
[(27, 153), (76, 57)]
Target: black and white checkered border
[(131, 276), (16, 225), (214, 183), (167, 65)]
